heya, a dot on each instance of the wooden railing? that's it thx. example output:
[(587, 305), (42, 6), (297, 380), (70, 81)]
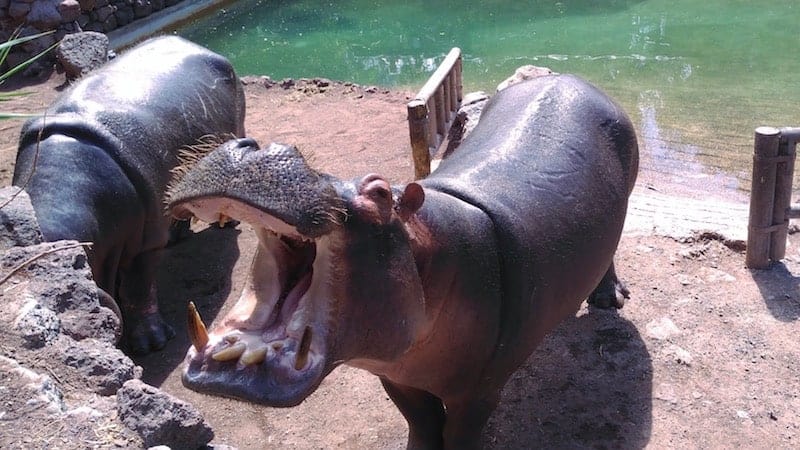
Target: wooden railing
[(770, 196), (433, 110)]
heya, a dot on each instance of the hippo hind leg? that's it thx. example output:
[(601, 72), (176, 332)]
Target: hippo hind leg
[(423, 411), (610, 292)]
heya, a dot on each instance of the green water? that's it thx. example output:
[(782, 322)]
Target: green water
[(696, 76)]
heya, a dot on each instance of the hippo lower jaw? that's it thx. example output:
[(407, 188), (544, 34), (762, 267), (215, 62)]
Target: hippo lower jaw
[(271, 348)]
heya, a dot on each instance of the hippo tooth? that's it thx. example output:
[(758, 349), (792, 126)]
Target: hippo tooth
[(197, 329), (302, 352), (230, 353), (253, 356), (223, 219)]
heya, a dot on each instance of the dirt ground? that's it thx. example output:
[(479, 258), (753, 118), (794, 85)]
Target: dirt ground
[(704, 354)]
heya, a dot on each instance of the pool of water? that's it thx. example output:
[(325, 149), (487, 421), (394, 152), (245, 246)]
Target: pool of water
[(696, 77)]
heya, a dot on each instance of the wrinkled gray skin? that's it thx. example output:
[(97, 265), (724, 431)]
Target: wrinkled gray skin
[(105, 151), (442, 287)]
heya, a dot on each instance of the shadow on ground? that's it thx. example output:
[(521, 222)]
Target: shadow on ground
[(589, 384), (780, 290), (197, 268)]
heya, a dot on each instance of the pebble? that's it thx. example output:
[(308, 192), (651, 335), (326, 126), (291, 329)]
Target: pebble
[(715, 275), (662, 329), (681, 356)]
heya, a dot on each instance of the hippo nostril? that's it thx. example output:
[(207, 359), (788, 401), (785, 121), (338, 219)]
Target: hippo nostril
[(246, 142)]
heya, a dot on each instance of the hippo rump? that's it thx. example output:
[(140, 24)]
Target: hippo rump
[(97, 163), (442, 287)]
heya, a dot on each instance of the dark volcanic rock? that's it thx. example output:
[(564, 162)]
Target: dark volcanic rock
[(18, 224), (161, 419), (80, 53)]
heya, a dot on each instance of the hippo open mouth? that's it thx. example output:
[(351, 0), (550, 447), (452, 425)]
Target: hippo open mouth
[(271, 348)]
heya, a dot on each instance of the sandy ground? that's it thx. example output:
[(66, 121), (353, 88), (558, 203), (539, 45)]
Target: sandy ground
[(704, 355)]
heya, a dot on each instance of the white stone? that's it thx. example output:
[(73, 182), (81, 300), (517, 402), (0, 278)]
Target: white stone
[(662, 329)]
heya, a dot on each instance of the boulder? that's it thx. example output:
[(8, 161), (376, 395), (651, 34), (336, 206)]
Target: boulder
[(161, 419), (69, 9), (466, 118), (18, 224), (524, 73), (80, 53), (44, 14)]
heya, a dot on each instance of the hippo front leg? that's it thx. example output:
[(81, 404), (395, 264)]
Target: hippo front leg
[(610, 292), (145, 329), (423, 412)]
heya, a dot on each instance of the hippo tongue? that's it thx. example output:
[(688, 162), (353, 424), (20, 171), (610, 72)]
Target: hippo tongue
[(275, 180)]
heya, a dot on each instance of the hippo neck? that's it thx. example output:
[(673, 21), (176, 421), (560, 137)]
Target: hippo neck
[(448, 235)]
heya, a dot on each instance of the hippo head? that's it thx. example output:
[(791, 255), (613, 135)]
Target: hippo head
[(333, 279)]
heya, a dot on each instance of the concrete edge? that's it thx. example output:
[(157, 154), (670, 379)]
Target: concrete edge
[(654, 213), (160, 21)]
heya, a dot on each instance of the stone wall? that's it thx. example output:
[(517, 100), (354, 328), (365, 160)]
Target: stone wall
[(67, 16)]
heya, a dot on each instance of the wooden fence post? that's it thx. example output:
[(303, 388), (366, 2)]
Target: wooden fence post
[(762, 196), (418, 132), (784, 172), (432, 112)]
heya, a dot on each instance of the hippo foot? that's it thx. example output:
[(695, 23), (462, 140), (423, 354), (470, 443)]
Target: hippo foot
[(607, 295), (148, 333)]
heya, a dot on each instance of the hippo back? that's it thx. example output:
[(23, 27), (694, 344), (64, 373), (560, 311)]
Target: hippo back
[(551, 162), (143, 106)]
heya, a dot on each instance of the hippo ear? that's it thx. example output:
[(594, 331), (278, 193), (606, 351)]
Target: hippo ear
[(412, 199)]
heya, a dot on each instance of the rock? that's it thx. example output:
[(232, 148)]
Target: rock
[(31, 390), (18, 224), (262, 80), (666, 392), (712, 275), (466, 118), (142, 8), (57, 277), (662, 329), (80, 53), (524, 73), (102, 13), (124, 14), (110, 23), (37, 325), (161, 419), (87, 5), (105, 369), (44, 14), (70, 10), (681, 356), (287, 83), (18, 10)]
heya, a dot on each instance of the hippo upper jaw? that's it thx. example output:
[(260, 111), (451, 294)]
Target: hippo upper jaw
[(272, 347)]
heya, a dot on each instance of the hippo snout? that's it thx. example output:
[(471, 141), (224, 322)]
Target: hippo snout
[(275, 180)]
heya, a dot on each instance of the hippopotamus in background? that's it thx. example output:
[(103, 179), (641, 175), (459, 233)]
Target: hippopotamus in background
[(97, 163), (442, 287)]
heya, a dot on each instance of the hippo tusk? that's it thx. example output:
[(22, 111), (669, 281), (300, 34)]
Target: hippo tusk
[(197, 329), (223, 219), (302, 352)]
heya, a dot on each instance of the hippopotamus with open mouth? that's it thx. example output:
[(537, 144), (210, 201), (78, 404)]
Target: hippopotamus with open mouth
[(97, 163), (441, 287)]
